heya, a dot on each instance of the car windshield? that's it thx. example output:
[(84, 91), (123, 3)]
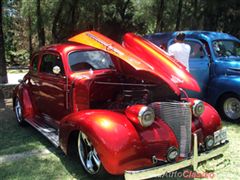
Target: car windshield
[(86, 60), (226, 48)]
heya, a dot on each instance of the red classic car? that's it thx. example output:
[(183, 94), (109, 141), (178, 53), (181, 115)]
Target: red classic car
[(123, 108)]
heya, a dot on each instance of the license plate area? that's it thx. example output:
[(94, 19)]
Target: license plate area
[(220, 136)]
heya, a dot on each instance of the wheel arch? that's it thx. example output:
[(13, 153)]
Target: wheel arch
[(72, 144), (22, 93), (220, 86), (224, 94), (111, 134), (219, 105)]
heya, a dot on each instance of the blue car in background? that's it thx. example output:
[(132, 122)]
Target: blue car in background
[(215, 63)]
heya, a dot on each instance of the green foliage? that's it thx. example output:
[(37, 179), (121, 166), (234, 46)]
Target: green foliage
[(64, 18)]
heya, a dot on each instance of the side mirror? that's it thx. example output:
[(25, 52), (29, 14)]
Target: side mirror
[(56, 70)]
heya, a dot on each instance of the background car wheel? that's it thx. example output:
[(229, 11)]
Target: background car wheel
[(18, 112), (229, 107), (89, 157)]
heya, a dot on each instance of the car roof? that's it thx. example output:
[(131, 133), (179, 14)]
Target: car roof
[(65, 47), (205, 35)]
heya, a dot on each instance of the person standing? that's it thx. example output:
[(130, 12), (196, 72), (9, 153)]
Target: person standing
[(180, 50)]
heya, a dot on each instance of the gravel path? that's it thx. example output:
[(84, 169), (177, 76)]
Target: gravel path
[(13, 78)]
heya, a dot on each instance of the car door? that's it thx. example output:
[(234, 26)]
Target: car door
[(199, 63), (34, 81), (52, 89), (198, 66)]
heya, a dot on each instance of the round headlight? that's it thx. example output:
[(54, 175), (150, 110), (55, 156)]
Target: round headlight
[(146, 116), (198, 108), (209, 142), (172, 154)]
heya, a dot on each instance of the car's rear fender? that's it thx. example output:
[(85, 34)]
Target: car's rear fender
[(119, 144), (21, 92)]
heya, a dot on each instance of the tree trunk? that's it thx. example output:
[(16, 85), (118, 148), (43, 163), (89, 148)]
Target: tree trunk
[(3, 70), (40, 26), (179, 15), (97, 15), (210, 16), (195, 19), (160, 10), (30, 34), (55, 21)]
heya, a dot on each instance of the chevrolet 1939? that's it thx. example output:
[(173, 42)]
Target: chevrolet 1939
[(121, 108)]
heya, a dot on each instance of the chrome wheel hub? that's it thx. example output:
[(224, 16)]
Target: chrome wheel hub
[(231, 108), (88, 155), (18, 111)]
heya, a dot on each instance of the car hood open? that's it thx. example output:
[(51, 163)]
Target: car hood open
[(144, 67)]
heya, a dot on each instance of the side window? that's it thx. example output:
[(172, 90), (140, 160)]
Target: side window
[(196, 49), (49, 61), (35, 63)]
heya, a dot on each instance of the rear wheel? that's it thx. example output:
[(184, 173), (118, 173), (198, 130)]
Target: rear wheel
[(89, 157), (18, 112), (229, 107)]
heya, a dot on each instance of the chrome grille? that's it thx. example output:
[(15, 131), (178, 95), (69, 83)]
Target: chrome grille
[(178, 116)]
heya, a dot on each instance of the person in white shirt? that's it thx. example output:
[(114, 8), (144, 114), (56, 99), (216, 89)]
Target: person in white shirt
[(180, 51)]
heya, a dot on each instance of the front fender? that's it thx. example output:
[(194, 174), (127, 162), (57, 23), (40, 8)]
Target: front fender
[(209, 121), (221, 85), (119, 144)]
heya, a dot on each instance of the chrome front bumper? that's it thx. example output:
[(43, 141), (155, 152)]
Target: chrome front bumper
[(193, 161)]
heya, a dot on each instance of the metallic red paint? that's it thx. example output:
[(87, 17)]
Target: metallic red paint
[(161, 62), (120, 144), (144, 68), (132, 113), (209, 121)]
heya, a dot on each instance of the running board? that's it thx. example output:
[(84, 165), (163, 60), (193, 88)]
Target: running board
[(50, 133)]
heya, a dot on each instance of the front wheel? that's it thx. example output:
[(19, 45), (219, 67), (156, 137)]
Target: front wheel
[(229, 107), (18, 112), (89, 157)]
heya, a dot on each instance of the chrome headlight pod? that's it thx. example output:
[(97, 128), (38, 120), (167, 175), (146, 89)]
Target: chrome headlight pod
[(146, 116), (198, 108)]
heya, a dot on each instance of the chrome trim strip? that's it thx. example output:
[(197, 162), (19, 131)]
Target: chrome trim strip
[(193, 161)]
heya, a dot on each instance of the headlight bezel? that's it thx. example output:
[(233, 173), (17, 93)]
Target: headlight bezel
[(198, 108), (146, 112)]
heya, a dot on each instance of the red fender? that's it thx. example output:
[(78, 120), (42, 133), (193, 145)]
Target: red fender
[(119, 144), (209, 121), (24, 98)]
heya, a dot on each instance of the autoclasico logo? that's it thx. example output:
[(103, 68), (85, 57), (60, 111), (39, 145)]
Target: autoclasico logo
[(188, 175)]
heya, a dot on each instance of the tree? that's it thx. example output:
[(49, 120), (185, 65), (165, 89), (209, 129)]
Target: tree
[(179, 15), (40, 26), (159, 18), (3, 71)]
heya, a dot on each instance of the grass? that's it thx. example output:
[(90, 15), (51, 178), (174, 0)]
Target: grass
[(15, 139), (40, 168)]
